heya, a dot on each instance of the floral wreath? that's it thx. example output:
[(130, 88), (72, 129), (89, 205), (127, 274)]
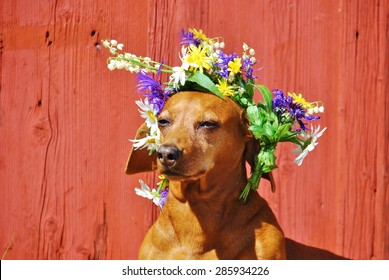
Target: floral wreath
[(205, 67)]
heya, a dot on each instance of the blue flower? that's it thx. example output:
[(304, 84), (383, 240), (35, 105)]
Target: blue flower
[(189, 39), (222, 63), (163, 196), (284, 107), (247, 65), (153, 90)]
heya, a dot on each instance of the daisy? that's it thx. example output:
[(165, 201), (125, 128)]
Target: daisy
[(147, 112), (145, 192), (151, 142), (301, 154)]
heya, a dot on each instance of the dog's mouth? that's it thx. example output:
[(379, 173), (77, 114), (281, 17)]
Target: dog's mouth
[(181, 176)]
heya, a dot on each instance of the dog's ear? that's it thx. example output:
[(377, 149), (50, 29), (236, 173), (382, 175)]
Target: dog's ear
[(139, 160), (252, 149)]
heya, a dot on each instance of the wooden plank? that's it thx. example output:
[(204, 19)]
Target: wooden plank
[(66, 124)]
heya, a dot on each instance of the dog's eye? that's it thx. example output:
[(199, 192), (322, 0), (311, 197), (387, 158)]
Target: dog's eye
[(208, 124), (163, 122)]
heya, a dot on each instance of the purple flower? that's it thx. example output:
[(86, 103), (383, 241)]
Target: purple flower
[(222, 63), (280, 102), (163, 197), (189, 39), (153, 90), (247, 65)]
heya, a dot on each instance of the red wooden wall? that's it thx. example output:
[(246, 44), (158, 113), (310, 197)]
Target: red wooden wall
[(65, 120)]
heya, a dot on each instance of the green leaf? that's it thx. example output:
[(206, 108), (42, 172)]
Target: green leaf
[(283, 131), (269, 130), (267, 96), (253, 114), (204, 81), (250, 88)]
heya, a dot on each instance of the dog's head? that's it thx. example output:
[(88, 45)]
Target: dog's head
[(198, 132)]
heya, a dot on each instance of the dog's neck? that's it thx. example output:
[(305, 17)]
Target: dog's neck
[(200, 210)]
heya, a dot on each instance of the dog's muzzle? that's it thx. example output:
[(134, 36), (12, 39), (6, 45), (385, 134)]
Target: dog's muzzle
[(168, 155)]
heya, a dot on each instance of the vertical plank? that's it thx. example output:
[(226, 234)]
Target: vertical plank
[(381, 211), (362, 50), (66, 125)]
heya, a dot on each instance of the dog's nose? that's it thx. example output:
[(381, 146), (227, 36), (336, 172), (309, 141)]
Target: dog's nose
[(168, 154)]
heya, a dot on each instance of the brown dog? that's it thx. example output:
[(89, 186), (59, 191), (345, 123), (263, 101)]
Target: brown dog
[(205, 144)]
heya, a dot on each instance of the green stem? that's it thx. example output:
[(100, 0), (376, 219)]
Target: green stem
[(252, 183)]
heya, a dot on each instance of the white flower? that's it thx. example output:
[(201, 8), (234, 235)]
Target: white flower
[(106, 43), (120, 46), (179, 75), (316, 133), (152, 139), (147, 112), (112, 65), (145, 192), (114, 43), (184, 55), (120, 64), (151, 142), (245, 47)]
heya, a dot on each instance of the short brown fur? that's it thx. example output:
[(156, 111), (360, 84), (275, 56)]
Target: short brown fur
[(203, 217)]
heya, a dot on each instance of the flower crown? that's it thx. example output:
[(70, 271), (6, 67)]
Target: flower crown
[(205, 67)]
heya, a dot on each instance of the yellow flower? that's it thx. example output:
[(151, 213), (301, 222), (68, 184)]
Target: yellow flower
[(234, 66), (199, 34), (163, 183), (300, 100), (198, 58), (224, 88)]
